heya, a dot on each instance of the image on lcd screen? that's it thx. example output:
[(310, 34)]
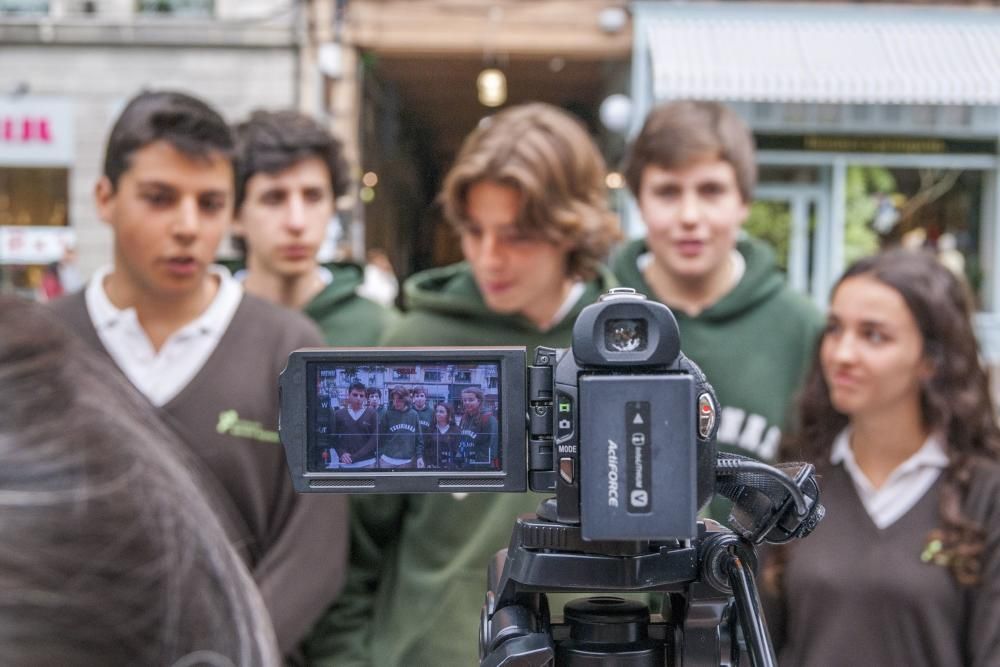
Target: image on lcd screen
[(435, 416)]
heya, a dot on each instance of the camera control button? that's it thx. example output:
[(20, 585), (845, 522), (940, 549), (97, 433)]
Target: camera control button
[(564, 416), (566, 469), (706, 416)]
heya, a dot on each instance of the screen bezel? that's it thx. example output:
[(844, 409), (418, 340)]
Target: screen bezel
[(297, 391)]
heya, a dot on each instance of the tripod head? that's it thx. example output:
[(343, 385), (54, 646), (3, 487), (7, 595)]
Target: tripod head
[(707, 584)]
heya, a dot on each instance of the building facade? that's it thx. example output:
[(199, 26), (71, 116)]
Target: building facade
[(66, 70)]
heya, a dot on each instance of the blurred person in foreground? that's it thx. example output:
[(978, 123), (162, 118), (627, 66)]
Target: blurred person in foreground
[(208, 355), (692, 171), (897, 417), (289, 173), (113, 554), (527, 196)]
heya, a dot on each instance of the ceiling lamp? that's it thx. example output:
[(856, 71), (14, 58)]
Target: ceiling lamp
[(491, 85)]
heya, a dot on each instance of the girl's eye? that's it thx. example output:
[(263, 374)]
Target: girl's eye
[(874, 335)]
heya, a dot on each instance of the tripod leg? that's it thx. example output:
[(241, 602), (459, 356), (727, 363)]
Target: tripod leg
[(751, 618)]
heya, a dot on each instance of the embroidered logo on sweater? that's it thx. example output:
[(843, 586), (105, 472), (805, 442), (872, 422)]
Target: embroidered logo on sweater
[(231, 424), (933, 553)]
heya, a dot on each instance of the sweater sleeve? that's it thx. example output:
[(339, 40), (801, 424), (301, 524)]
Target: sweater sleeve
[(983, 620), (303, 567), (343, 637)]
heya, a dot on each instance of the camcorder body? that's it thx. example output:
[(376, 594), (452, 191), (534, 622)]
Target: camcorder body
[(620, 428)]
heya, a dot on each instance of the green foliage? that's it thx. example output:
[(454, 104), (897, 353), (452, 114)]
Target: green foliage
[(863, 183), (771, 221)]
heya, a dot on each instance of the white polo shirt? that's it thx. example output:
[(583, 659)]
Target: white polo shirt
[(161, 375), (905, 486)]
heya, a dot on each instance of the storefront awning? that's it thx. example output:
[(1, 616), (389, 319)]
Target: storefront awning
[(823, 54)]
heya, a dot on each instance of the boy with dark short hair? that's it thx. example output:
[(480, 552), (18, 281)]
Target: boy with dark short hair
[(375, 401), (290, 172), (692, 172), (352, 439), (204, 352)]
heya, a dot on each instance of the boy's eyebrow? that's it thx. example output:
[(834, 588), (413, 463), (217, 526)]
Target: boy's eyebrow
[(154, 183)]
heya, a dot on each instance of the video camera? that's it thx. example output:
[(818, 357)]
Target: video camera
[(620, 427)]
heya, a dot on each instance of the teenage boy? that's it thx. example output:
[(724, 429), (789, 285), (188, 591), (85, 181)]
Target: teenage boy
[(418, 400), (401, 440), (375, 401), (208, 355), (290, 172), (353, 434), (527, 197), (692, 172)]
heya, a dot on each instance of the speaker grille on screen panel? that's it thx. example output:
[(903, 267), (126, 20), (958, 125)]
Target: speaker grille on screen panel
[(469, 483), (342, 484)]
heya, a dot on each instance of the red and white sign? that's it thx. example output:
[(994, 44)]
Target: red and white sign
[(34, 245), (36, 131)]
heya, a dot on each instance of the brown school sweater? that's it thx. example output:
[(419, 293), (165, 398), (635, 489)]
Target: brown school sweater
[(855, 594), (294, 544)]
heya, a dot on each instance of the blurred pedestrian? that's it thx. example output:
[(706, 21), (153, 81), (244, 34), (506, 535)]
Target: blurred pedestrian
[(896, 414), (380, 284), (527, 196), (290, 173), (113, 554), (200, 349), (69, 273)]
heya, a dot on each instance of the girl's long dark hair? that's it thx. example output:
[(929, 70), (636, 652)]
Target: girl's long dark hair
[(955, 400)]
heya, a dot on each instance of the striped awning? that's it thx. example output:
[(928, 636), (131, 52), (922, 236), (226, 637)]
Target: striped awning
[(841, 54)]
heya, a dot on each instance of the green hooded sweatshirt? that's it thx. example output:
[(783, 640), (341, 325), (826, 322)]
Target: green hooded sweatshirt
[(400, 436), (417, 578), (345, 318), (754, 345)]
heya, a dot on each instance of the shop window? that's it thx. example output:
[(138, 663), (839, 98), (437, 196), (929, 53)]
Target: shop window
[(933, 209), (30, 201), (199, 8), (33, 197)]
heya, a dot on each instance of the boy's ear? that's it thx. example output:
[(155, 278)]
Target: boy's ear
[(104, 198)]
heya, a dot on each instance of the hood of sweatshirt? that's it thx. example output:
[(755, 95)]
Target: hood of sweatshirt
[(347, 278), (451, 290), (761, 281)]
